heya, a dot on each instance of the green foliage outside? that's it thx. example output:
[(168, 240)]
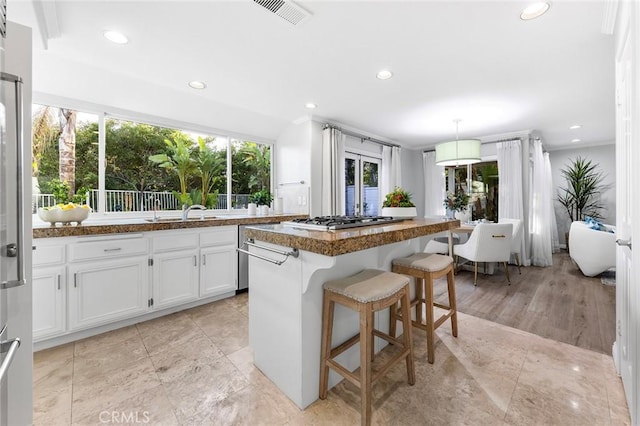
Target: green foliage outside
[(128, 167)]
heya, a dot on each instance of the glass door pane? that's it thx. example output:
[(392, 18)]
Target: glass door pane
[(351, 195), (371, 190)]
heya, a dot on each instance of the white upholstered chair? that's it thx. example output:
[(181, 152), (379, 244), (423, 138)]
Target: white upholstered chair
[(516, 239), (489, 242)]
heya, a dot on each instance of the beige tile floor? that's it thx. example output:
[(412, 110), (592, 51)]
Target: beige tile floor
[(195, 368)]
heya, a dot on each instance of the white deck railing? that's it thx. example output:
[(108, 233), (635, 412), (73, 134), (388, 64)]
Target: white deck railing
[(138, 201)]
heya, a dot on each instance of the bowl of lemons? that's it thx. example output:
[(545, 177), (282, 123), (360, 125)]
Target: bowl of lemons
[(64, 213)]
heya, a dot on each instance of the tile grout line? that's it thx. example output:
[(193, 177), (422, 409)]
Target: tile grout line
[(524, 359)]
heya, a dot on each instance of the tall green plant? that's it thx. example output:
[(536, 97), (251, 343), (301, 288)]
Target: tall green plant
[(209, 166), (179, 161), (581, 195)]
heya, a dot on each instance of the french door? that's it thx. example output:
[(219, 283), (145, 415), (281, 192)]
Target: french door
[(362, 189)]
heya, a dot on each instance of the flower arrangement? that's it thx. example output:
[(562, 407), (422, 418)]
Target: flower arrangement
[(398, 198), (457, 202)]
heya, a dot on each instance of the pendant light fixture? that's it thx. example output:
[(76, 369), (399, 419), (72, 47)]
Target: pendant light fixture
[(458, 152)]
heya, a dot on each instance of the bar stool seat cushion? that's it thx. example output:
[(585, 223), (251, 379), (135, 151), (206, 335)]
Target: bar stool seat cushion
[(425, 261), (368, 285)]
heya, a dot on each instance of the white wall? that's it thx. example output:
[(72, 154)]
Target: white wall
[(605, 156), (293, 155), (413, 176)]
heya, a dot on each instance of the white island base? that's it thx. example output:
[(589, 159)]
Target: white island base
[(285, 314)]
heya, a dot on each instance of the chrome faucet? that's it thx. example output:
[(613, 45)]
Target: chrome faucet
[(186, 210)]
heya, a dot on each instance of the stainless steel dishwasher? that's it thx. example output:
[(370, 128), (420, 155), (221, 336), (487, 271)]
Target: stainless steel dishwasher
[(243, 260)]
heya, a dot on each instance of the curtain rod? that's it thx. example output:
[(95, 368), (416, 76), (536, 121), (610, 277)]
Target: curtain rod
[(486, 143), (359, 136)]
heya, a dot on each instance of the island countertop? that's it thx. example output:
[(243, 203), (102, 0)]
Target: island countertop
[(133, 224), (334, 243)]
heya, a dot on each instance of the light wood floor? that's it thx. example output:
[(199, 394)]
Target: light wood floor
[(557, 302)]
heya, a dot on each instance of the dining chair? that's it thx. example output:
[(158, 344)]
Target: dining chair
[(516, 239), (489, 242)]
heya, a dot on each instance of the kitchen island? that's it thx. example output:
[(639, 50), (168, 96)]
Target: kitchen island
[(285, 307)]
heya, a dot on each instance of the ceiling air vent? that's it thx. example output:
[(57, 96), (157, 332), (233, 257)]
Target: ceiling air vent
[(287, 10)]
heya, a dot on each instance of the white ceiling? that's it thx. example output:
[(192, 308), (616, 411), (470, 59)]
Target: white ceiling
[(474, 60)]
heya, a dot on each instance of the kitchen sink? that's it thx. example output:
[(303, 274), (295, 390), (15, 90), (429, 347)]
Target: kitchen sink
[(179, 219)]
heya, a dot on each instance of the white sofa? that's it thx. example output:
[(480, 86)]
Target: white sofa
[(593, 251)]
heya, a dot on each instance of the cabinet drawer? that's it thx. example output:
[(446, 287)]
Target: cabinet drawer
[(223, 235), (48, 254), (174, 241), (107, 248)]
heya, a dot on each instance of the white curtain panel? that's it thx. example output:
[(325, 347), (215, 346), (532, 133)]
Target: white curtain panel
[(434, 192), (510, 204), (555, 240), (540, 215), (391, 172), (332, 172)]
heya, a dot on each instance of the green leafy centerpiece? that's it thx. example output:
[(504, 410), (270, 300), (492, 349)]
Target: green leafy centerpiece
[(456, 202), (398, 203)]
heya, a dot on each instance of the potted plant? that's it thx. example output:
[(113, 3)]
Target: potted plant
[(262, 198), (581, 195), (456, 202), (398, 203)]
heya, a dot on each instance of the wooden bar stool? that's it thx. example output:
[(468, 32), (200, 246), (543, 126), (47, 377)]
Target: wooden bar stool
[(426, 268), (366, 292)]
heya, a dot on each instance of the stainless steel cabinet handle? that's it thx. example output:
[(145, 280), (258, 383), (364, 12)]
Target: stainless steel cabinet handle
[(19, 245), (13, 344), (112, 249), (204, 260), (195, 261), (624, 243), (58, 281), (75, 280)]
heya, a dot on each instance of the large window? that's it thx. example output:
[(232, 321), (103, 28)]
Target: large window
[(482, 179), (146, 167)]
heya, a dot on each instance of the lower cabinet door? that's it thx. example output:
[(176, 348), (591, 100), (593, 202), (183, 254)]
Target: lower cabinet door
[(219, 271), (49, 288), (175, 278), (106, 291)]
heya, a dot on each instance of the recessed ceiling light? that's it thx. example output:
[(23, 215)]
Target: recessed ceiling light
[(197, 84), (116, 37), (575, 126), (575, 140), (534, 10), (310, 105), (384, 75)]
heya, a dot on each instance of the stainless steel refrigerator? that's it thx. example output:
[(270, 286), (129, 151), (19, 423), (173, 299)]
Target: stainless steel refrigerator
[(15, 244)]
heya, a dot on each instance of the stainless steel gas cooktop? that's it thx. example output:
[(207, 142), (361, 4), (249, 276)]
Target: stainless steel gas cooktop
[(331, 223)]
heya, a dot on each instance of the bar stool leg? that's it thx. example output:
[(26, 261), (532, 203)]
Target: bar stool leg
[(393, 319), (428, 289), (419, 300), (366, 348), (327, 330), (408, 339), (451, 288)]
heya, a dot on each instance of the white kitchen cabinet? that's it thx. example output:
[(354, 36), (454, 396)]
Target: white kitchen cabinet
[(49, 284), (49, 291), (108, 279), (218, 272), (219, 261), (175, 277), (104, 291), (175, 268)]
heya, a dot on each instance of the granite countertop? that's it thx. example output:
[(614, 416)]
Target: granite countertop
[(138, 224), (334, 243)]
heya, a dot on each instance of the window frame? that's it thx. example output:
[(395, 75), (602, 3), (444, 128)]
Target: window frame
[(103, 112)]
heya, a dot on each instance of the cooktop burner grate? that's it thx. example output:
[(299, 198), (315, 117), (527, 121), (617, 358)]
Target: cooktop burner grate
[(329, 223)]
